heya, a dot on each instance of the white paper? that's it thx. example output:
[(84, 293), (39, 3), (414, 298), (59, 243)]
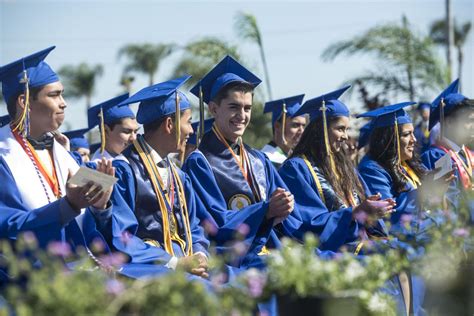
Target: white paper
[(85, 175), (443, 166)]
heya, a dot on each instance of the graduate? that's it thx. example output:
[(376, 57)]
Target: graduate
[(238, 185), (393, 168), (154, 206), (287, 128), (330, 197), (454, 113), (79, 144), (34, 167), (118, 127)]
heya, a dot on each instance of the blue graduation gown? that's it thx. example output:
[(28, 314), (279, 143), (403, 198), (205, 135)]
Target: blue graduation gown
[(218, 181), (379, 180), (126, 234), (333, 224)]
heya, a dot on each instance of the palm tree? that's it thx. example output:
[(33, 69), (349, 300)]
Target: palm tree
[(145, 58), (79, 81), (408, 63), (126, 82), (200, 56), (438, 33), (247, 28)]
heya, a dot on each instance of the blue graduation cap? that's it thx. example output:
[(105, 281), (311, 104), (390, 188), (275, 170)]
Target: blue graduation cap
[(207, 127), (77, 139), (288, 106), (159, 100), (111, 111), (389, 115), (4, 120), (334, 107), (21, 75), (228, 70), (364, 135), (445, 103), (38, 73)]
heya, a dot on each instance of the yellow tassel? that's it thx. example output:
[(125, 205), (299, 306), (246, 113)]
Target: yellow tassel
[(22, 123), (326, 140), (178, 121), (441, 118), (283, 124), (397, 136), (200, 131), (102, 131)]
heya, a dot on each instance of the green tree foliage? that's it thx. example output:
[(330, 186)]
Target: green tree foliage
[(438, 33), (247, 28), (79, 81), (407, 63), (145, 58)]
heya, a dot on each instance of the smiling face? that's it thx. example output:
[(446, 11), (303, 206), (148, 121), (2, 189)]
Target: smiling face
[(337, 132), (120, 136), (232, 114), (407, 141), (186, 129), (47, 109)]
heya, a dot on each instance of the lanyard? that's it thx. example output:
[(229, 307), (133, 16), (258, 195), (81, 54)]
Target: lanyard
[(51, 179)]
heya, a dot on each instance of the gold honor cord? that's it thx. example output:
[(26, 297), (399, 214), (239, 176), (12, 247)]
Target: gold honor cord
[(315, 178), (326, 140), (22, 124), (397, 140), (283, 123), (411, 176), (200, 131), (102, 131), (177, 121)]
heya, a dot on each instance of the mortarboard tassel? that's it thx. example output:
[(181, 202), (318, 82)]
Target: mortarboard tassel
[(283, 123), (441, 118), (22, 124), (102, 131), (397, 136), (326, 140), (200, 131), (177, 120)]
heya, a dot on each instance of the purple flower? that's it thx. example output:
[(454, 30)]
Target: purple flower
[(406, 219), (115, 259), (114, 287), (218, 279), (209, 227), (98, 245), (30, 239), (243, 229), (255, 282), (240, 248), (59, 248), (461, 232)]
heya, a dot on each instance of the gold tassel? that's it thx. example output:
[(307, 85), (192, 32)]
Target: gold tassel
[(178, 121), (22, 124), (102, 131), (326, 140), (200, 131), (397, 136), (283, 124), (441, 118)]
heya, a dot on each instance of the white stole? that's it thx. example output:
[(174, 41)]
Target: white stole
[(26, 177)]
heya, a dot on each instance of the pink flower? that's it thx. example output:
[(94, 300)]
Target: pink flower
[(114, 287), (240, 248), (98, 246), (115, 259), (406, 219), (209, 227), (243, 229), (461, 232), (256, 282), (59, 248), (126, 236)]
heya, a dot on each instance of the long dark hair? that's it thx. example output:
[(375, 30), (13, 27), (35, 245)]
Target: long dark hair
[(312, 145), (383, 149)]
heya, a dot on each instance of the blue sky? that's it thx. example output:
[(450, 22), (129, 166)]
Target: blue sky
[(294, 33)]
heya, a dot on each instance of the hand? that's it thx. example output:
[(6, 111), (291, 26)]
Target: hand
[(62, 139), (83, 196), (373, 208), (281, 204), (195, 264), (105, 166)]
